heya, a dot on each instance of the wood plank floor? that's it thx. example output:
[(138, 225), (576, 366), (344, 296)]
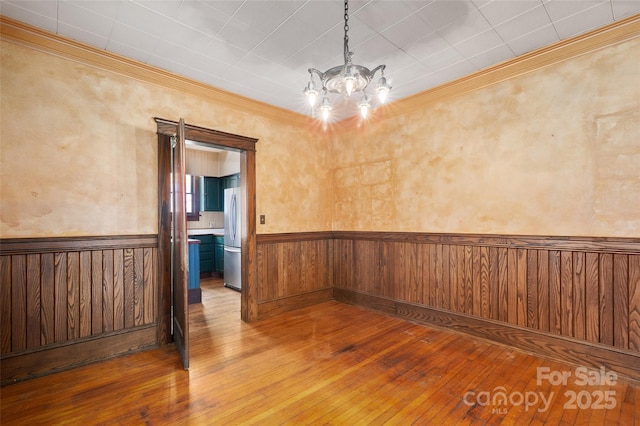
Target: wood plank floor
[(327, 364)]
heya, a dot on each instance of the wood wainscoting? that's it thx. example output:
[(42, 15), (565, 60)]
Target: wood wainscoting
[(65, 302), (294, 270), (574, 299)]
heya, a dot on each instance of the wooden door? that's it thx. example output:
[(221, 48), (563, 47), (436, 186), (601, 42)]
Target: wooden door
[(247, 182), (180, 249)]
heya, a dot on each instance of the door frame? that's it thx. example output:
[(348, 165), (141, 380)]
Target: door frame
[(246, 147)]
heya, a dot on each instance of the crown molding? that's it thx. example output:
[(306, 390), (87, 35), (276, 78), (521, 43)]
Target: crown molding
[(26, 35), (614, 33)]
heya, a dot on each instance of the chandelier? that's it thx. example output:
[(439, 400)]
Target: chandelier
[(345, 80)]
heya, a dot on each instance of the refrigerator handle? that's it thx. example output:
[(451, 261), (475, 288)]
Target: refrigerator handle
[(233, 249), (234, 217)]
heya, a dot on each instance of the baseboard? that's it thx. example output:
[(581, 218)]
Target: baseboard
[(24, 366), (560, 348), (278, 306)]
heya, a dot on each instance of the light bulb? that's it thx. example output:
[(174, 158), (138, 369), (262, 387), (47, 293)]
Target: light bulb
[(348, 84), (383, 89), (382, 94), (325, 114), (349, 80), (311, 93), (364, 106), (312, 97), (325, 108)]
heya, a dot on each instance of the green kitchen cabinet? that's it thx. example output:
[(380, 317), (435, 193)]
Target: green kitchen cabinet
[(231, 181), (213, 194), (218, 248), (213, 191), (207, 255)]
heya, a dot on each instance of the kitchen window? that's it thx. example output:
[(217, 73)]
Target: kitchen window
[(192, 196)]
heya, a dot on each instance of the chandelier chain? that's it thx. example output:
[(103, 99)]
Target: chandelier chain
[(347, 54), (346, 19)]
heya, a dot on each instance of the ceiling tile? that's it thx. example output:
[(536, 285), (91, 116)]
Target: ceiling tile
[(128, 51), (191, 38), (266, 68), (443, 59), (541, 37), (441, 13), (373, 51), (223, 52), (583, 21), (228, 7), (480, 43), (81, 18), (498, 11), (129, 36), (324, 52), (144, 20), (358, 32), (44, 8), (471, 25), (200, 16), (320, 16), (490, 57), (524, 23), (379, 15), (82, 35), (107, 8), (37, 16), (279, 46), (624, 8), (405, 33), (178, 54), (560, 9), (409, 74), (481, 3), (168, 8), (452, 72), (183, 69), (406, 88), (397, 61), (241, 34), (427, 46), (266, 16)]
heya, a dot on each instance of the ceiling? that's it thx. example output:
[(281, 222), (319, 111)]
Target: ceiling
[(262, 49)]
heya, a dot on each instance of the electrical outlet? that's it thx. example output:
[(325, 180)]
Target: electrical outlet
[(212, 224), (262, 219)]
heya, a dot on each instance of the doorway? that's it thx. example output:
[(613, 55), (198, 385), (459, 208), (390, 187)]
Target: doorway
[(166, 129)]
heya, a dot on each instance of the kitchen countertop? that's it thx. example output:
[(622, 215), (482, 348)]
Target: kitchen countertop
[(206, 231)]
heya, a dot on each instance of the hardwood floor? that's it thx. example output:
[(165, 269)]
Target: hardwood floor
[(327, 364)]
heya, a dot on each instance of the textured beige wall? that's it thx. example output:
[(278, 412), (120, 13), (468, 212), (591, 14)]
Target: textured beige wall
[(79, 152), (551, 152)]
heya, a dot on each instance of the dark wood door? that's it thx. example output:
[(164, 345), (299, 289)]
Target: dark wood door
[(180, 249)]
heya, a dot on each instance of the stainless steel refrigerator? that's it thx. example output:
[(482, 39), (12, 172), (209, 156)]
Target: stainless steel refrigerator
[(232, 238)]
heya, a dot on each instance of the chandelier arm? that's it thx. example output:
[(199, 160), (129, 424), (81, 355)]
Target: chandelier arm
[(319, 73), (376, 69)]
